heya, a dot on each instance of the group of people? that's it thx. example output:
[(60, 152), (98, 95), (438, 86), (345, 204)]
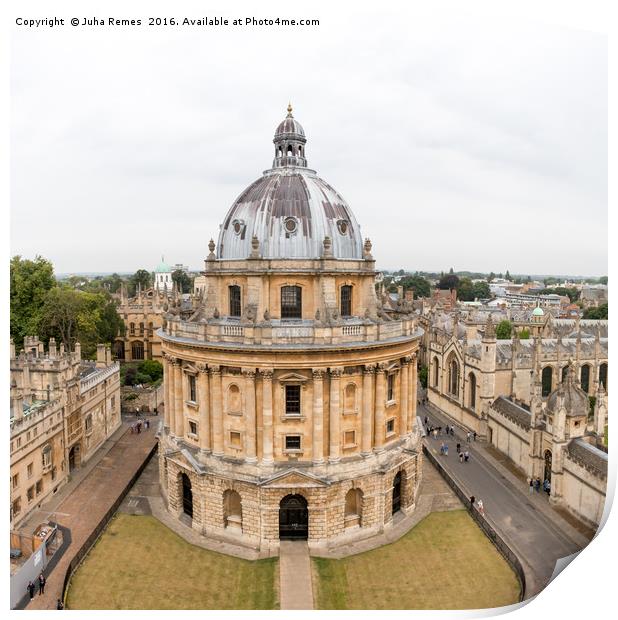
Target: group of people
[(137, 427), (31, 587), (535, 485), (479, 505)]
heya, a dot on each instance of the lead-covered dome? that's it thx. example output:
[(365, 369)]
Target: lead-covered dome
[(290, 209), (574, 399)]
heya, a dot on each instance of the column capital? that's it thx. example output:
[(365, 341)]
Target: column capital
[(318, 373), (336, 371), (214, 369), (201, 367), (266, 373), (248, 373), (369, 369), (174, 361), (406, 360), (381, 366)]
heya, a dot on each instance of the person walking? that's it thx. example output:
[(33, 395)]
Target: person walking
[(481, 508), (537, 485), (426, 420), (452, 431), (59, 604), (472, 500), (531, 483), (466, 456), (468, 437), (461, 457), (474, 435), (30, 588), (42, 582), (445, 449), (458, 447)]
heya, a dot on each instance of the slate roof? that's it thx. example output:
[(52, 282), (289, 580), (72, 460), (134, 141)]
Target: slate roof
[(588, 456), (515, 413)]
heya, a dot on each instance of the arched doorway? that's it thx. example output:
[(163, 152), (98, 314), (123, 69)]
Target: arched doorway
[(397, 493), (547, 472), (293, 518), (187, 495), (74, 457)]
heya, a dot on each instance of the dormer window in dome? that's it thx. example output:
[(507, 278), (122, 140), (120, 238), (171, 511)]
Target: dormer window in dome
[(342, 227), (238, 226), (291, 226)]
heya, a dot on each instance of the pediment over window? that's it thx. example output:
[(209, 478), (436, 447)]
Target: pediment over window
[(292, 377), (293, 479)]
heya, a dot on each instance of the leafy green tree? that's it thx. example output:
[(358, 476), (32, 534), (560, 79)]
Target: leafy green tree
[(183, 281), (571, 293), (599, 313), (448, 282), (130, 376), (481, 290), (491, 277), (603, 280), (524, 334), (507, 276), (141, 278), (418, 284), (422, 376), (30, 282), (503, 330), (152, 368)]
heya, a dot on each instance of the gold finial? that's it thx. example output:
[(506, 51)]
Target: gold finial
[(289, 109)]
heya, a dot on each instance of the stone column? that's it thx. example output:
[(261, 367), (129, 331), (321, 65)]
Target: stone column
[(168, 379), (413, 387), (318, 416), (203, 397), (367, 421), (250, 426), (404, 397), (267, 416), (216, 410), (380, 403), (179, 407), (335, 415)]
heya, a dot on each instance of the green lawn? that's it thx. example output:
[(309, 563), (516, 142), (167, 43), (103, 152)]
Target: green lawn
[(138, 563), (445, 562)]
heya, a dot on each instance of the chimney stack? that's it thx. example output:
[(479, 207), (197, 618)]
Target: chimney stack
[(18, 406), (78, 351), (41, 348), (100, 356), (52, 347), (62, 349), (108, 356), (12, 349)]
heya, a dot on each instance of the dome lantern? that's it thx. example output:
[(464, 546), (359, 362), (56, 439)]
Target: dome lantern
[(289, 143)]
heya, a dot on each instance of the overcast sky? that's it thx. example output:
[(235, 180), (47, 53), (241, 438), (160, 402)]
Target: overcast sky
[(479, 146)]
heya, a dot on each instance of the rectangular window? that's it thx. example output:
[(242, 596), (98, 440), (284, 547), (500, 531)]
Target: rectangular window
[(16, 506), (291, 302), (88, 424), (235, 438), (346, 300), (235, 301), (29, 470), (113, 402), (47, 454), (28, 436), (192, 390), (292, 442), (15, 480), (391, 388), (349, 438), (39, 487), (30, 494), (54, 473), (18, 442), (192, 428), (390, 426), (292, 400), (35, 431)]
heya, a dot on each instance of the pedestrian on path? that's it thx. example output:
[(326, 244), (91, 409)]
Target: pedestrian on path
[(466, 456), (30, 588), (59, 604), (537, 485), (461, 457), (426, 420), (445, 449), (435, 433), (468, 437), (452, 431), (531, 483), (458, 447), (481, 507), (474, 435), (41, 584), (472, 500)]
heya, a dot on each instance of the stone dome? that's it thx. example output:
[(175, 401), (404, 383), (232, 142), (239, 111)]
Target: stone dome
[(538, 311), (163, 267), (575, 400), (290, 209)]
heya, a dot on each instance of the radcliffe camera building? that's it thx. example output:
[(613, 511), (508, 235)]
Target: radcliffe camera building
[(290, 394)]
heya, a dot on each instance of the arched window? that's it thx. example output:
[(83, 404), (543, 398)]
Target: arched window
[(584, 377), (233, 399), (291, 302), (436, 371), (187, 495), (603, 375), (349, 399), (137, 350), (546, 381), (234, 300), (346, 300), (565, 370), (472, 392), (353, 508), (290, 150), (132, 329), (141, 329), (232, 510), (453, 377)]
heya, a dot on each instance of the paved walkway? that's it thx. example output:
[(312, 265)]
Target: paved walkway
[(295, 587), (82, 510), (536, 533)]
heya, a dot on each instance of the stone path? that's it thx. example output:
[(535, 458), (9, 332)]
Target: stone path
[(82, 510), (295, 587), (535, 532)]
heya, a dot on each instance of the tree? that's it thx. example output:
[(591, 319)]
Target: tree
[(465, 290), (152, 368), (30, 282), (599, 313), (491, 276), (524, 334), (503, 330), (571, 293), (183, 281), (140, 278), (448, 282), (507, 276), (422, 376), (418, 284), (481, 290), (603, 280)]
